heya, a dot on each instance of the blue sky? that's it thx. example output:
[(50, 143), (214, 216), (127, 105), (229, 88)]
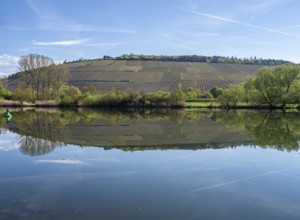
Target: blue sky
[(71, 29)]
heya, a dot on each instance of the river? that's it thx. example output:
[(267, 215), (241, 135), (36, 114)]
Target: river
[(149, 164)]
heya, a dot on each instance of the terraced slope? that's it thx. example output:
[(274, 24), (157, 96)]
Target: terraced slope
[(149, 76)]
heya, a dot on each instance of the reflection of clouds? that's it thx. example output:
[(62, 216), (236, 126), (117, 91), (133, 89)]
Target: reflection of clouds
[(8, 145), (8, 141), (182, 157), (105, 159), (69, 162)]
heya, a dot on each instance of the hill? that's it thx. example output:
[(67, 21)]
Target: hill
[(152, 75)]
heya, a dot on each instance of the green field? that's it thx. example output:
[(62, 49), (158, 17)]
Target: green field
[(151, 76)]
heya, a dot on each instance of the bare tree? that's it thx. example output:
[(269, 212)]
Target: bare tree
[(42, 75)]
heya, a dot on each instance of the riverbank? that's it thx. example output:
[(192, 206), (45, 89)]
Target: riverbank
[(189, 104)]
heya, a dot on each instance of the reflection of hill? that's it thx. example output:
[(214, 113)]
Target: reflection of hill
[(152, 133), (41, 132)]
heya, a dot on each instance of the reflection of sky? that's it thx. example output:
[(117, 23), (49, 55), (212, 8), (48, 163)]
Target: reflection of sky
[(73, 182)]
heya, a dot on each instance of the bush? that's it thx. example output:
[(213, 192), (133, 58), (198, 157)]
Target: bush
[(69, 95)]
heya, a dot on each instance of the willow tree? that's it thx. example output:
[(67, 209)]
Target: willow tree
[(40, 73)]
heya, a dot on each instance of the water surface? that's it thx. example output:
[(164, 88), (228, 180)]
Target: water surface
[(149, 165)]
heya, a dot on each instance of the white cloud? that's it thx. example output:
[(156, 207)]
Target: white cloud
[(8, 60), (8, 145), (68, 162), (8, 64), (60, 43), (8, 141)]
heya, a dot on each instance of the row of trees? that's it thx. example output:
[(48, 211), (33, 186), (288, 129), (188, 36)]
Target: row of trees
[(200, 58), (274, 87), (192, 58)]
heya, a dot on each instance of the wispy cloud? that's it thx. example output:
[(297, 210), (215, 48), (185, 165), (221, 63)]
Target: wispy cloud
[(233, 21), (72, 27), (17, 28), (60, 43), (68, 162), (50, 20), (192, 4), (182, 46), (198, 34), (93, 28), (112, 44), (261, 6), (33, 6), (264, 43)]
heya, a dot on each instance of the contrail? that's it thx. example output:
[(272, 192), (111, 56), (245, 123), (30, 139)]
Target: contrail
[(233, 21), (281, 29)]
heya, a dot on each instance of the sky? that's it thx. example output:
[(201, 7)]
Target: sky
[(89, 29)]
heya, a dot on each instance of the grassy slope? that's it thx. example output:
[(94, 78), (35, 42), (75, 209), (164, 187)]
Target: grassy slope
[(149, 76)]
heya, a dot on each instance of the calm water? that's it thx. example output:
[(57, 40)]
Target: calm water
[(90, 164)]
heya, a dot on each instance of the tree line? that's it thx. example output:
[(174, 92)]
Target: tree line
[(200, 58), (191, 58)]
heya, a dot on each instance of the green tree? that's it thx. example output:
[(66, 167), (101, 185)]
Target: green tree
[(216, 92), (232, 95), (192, 93), (6, 94), (177, 96), (69, 95), (23, 93), (273, 86)]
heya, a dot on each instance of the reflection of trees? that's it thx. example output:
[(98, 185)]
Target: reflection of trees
[(41, 132), (36, 146), (122, 114), (273, 129), (276, 129)]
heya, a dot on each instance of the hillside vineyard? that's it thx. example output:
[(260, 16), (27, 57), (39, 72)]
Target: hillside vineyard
[(151, 76)]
